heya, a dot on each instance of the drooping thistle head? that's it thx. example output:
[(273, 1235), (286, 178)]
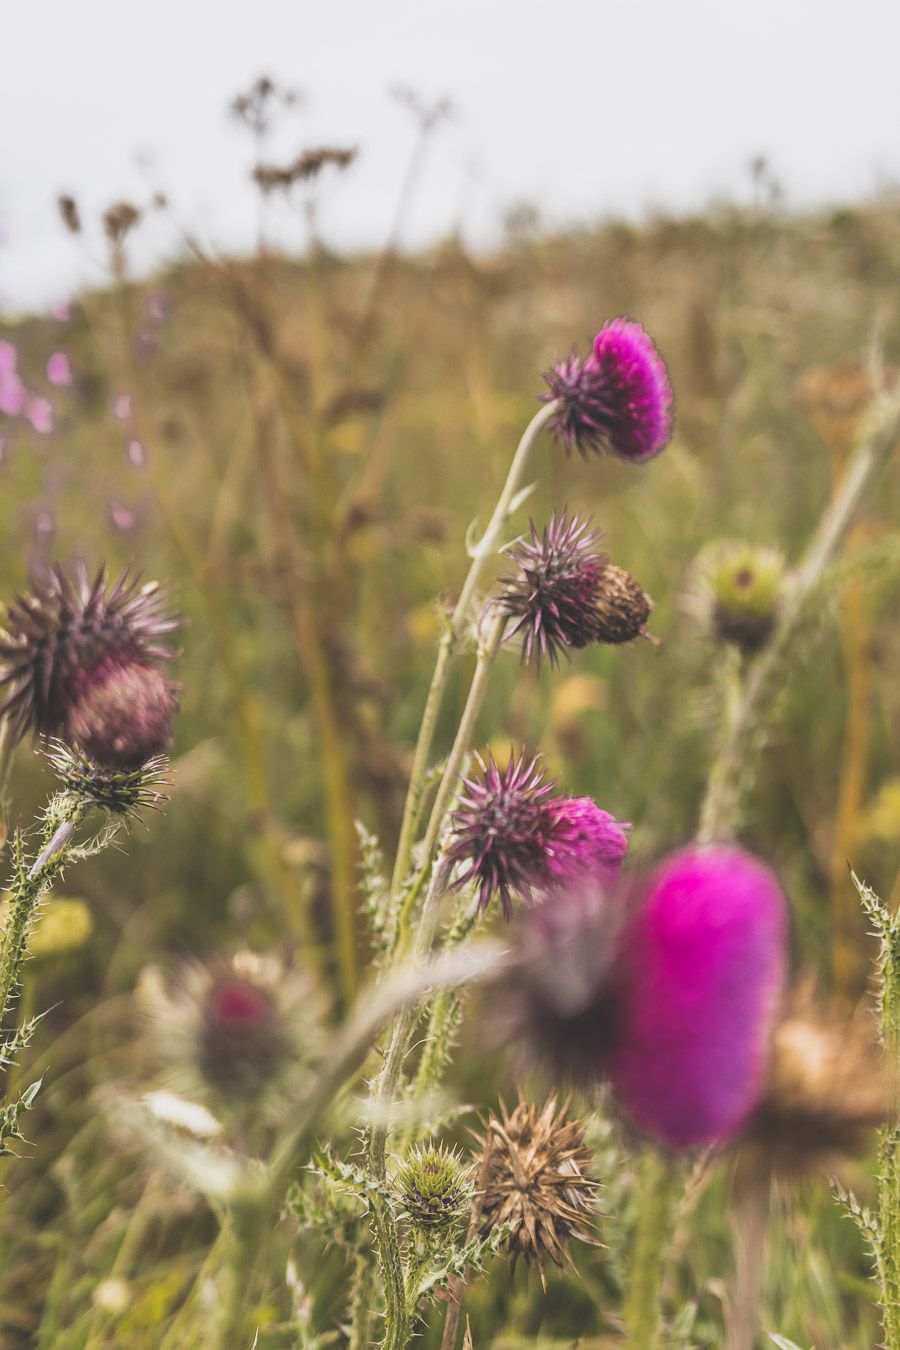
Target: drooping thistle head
[(618, 399), (512, 837), (566, 594), (535, 1178), (239, 1032), (83, 661), (735, 593), (435, 1187), (668, 988)]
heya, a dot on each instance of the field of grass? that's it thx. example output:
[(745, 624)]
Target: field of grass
[(297, 450)]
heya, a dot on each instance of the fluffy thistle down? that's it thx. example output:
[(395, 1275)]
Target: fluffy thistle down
[(618, 399), (435, 1187), (734, 593), (84, 661), (535, 1173), (240, 1033), (513, 838), (566, 594)]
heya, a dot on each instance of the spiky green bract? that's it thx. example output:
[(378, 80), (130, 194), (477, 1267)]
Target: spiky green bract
[(121, 792), (82, 658), (435, 1186), (735, 593)]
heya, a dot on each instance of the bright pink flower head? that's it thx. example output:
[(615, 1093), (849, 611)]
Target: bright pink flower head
[(705, 962), (587, 840), (13, 393), (59, 370), (619, 399)]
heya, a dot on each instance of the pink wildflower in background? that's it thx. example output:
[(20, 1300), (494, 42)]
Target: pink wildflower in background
[(123, 407), (59, 370), (39, 412), (61, 312), (136, 453)]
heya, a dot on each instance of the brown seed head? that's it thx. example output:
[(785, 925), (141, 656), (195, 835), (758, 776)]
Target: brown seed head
[(622, 607), (535, 1173), (68, 210)]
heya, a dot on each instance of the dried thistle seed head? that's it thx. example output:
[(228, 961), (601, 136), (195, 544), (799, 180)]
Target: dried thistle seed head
[(535, 1178), (735, 592), (81, 660), (119, 220), (69, 213), (121, 792), (435, 1186), (619, 399), (622, 608), (240, 1032), (513, 838), (827, 1089)]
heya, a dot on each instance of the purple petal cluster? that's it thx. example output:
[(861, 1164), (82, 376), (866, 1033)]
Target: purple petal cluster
[(668, 989), (619, 399), (512, 837), (553, 597)]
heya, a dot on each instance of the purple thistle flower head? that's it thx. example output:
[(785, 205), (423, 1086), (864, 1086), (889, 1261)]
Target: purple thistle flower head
[(619, 399), (705, 972), (568, 595), (514, 838), (669, 990)]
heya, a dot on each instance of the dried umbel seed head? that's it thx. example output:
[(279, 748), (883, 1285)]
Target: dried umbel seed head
[(827, 1088), (119, 220), (535, 1178), (513, 838), (735, 593), (239, 1032), (82, 661), (121, 792), (619, 399), (435, 1186)]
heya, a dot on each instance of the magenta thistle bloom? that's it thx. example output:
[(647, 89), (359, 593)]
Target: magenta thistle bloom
[(82, 661), (567, 594), (513, 838), (706, 968), (59, 369), (619, 399)]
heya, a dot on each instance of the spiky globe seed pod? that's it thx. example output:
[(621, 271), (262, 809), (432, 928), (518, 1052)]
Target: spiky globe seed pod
[(535, 1178), (81, 660), (619, 399), (435, 1186), (122, 792)]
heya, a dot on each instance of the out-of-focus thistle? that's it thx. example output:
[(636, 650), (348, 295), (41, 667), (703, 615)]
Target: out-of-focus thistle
[(826, 1090), (514, 838), (535, 1179), (618, 399), (240, 1032), (83, 661), (669, 990), (735, 593), (567, 594), (435, 1186)]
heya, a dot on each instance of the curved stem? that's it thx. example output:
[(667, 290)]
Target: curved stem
[(487, 549)]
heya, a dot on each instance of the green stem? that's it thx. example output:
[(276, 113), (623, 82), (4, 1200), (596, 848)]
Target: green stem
[(361, 1301), (735, 766), (488, 547), (643, 1302)]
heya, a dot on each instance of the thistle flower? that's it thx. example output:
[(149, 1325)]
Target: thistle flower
[(827, 1088), (82, 661), (668, 990), (435, 1186), (735, 593), (238, 1032), (514, 838), (619, 399), (566, 593), (535, 1178)]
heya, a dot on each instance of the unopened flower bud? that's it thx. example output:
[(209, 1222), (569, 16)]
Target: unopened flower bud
[(435, 1186), (735, 593)]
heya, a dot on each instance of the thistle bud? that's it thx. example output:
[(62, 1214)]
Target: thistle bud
[(735, 593), (535, 1179), (435, 1187), (121, 792)]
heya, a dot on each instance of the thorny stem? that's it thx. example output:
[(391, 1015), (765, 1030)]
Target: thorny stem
[(488, 546), (456, 1294), (658, 1183), (734, 767)]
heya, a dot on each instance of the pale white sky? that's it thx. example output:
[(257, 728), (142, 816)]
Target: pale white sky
[(582, 107)]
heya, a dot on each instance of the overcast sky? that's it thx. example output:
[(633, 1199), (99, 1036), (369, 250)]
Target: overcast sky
[(581, 107)]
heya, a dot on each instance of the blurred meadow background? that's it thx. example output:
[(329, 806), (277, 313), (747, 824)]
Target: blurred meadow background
[(292, 425)]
